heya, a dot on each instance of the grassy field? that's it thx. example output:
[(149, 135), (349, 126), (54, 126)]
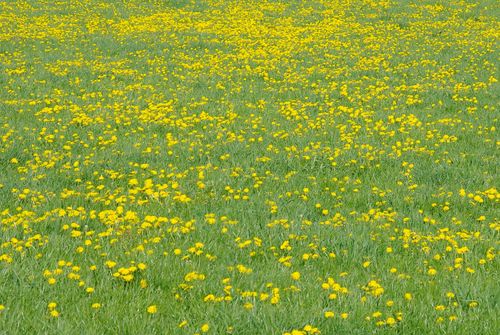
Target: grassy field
[(249, 167)]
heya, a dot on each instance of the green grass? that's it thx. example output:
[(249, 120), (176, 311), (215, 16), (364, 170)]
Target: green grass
[(351, 140)]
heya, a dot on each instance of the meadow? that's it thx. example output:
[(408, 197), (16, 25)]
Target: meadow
[(249, 167)]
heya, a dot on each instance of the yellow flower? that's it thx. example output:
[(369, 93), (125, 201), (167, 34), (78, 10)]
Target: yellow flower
[(54, 313), (96, 305), (329, 314), (110, 264), (128, 277), (204, 328), (295, 275), (152, 309)]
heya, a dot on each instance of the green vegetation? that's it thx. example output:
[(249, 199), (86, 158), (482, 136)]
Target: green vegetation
[(249, 167)]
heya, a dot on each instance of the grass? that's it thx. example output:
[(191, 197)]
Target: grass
[(249, 167)]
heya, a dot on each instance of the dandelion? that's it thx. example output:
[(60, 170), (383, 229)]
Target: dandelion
[(152, 309), (440, 308), (204, 328)]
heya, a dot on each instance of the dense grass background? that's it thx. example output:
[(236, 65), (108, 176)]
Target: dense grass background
[(240, 143)]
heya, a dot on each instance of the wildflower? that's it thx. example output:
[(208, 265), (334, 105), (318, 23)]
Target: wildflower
[(152, 309), (295, 275), (110, 264)]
